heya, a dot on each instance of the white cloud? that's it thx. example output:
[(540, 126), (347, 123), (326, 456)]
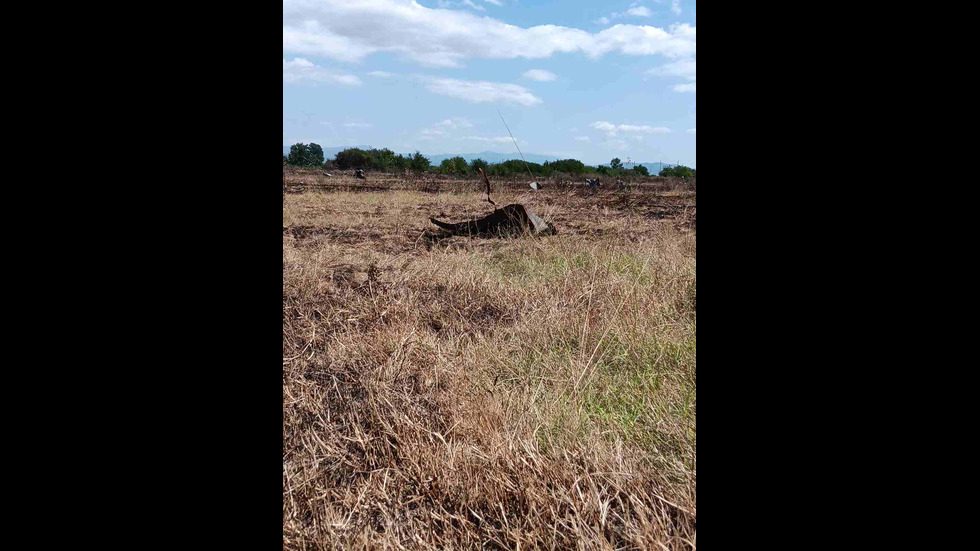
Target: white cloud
[(494, 2), (468, 3), (454, 124), (432, 133), (302, 70), (350, 31), (443, 129), (541, 75), (636, 10), (583, 139), (693, 131), (682, 68), (380, 74), (482, 91), (675, 6), (613, 130), (359, 125)]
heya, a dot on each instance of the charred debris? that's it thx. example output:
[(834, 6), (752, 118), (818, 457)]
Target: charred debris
[(509, 221)]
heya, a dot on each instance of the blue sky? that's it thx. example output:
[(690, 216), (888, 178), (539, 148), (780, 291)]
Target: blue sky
[(575, 79)]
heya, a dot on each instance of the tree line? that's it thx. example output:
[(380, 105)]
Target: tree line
[(385, 160)]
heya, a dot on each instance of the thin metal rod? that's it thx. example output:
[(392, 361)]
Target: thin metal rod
[(515, 145)]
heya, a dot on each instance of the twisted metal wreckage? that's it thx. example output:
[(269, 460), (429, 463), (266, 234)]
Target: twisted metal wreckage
[(510, 220)]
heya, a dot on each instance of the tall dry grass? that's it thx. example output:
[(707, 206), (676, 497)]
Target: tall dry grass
[(537, 393)]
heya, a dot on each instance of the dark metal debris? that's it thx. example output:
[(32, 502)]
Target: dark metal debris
[(510, 220), (360, 175)]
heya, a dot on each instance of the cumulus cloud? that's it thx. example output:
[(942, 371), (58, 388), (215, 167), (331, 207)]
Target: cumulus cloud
[(302, 70), (687, 88), (640, 12), (350, 31), (613, 130), (482, 91), (675, 6), (541, 75)]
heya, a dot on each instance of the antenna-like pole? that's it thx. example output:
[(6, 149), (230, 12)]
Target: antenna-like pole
[(515, 145)]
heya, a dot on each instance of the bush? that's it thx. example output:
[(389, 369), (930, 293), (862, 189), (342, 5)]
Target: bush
[(477, 164), (678, 172), (353, 159), (456, 166), (569, 166)]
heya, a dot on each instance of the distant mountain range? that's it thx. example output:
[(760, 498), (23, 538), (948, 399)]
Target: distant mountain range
[(488, 156)]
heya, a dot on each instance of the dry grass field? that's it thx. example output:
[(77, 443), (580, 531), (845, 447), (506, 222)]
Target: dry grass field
[(464, 392)]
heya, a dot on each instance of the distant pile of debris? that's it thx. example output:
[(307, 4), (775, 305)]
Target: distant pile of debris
[(508, 221)]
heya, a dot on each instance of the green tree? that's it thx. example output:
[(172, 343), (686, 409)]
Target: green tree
[(477, 164), (353, 158), (382, 159), (455, 166), (641, 170), (315, 155), (419, 163), (299, 155), (567, 166), (616, 164)]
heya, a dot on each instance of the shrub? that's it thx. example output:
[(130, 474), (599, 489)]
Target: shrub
[(477, 164), (456, 166), (678, 172), (353, 159)]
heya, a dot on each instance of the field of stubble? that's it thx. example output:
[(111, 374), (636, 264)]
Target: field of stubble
[(458, 393)]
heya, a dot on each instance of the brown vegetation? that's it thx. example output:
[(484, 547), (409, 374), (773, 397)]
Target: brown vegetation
[(448, 392)]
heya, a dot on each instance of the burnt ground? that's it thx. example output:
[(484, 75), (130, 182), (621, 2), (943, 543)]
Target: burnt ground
[(394, 216)]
